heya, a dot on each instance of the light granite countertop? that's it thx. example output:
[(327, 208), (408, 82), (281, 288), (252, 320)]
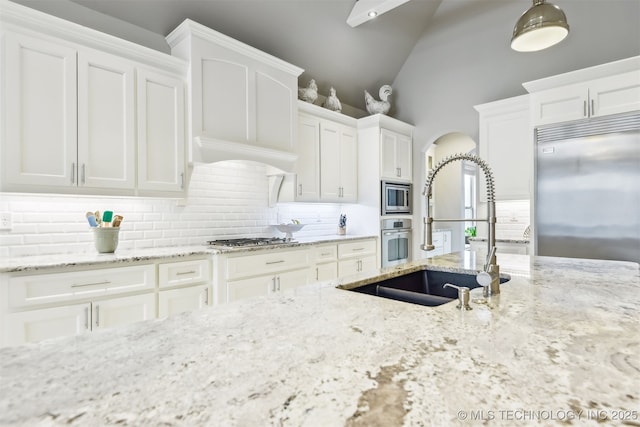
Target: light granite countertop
[(38, 262), (558, 346)]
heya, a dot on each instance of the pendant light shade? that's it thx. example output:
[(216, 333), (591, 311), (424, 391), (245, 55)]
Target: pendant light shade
[(540, 27)]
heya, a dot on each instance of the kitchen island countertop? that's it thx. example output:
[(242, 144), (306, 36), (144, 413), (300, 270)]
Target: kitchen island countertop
[(559, 345)]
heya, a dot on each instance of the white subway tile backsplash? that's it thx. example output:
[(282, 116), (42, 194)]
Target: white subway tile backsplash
[(225, 200)]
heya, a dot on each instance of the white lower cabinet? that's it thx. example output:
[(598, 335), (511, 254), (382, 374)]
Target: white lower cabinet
[(442, 241), (265, 285), (183, 286), (174, 301), (324, 261), (356, 257), (76, 319), (122, 311), (41, 306), (261, 273), (37, 325)]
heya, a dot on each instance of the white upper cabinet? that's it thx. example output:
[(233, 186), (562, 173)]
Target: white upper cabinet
[(106, 121), (592, 92), (395, 156), (506, 143), (387, 148), (308, 165), (73, 118), (161, 132), (327, 164), (40, 143), (241, 98), (338, 163)]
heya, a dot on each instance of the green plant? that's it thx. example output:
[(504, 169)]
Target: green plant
[(470, 231)]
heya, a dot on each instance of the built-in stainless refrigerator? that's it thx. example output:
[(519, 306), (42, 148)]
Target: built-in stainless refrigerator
[(587, 189)]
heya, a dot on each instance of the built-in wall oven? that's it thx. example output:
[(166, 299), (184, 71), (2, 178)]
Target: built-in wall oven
[(396, 241), (396, 198)]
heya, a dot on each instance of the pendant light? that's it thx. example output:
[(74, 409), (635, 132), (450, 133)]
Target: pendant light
[(540, 27)]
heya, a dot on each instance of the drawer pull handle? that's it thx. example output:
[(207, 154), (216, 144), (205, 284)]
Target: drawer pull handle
[(206, 296), (182, 273), (275, 262), (97, 315), (358, 249), (86, 318), (106, 282), (325, 254)]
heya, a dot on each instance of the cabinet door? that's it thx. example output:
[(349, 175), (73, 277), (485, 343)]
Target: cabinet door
[(40, 109), (308, 164), (176, 301), (404, 157), (123, 311), (106, 121), (348, 164), (249, 288), (368, 263), (330, 152), (161, 132), (559, 105), (616, 94), (446, 242), (506, 143), (327, 271), (37, 325), (395, 156), (291, 279), (388, 165), (348, 267)]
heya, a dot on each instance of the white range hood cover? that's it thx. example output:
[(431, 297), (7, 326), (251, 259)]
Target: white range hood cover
[(208, 150)]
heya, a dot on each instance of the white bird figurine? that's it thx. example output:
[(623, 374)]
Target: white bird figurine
[(309, 93), (332, 102), (379, 107)]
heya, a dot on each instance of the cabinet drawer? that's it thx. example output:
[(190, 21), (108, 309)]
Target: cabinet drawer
[(265, 263), (324, 253), (184, 273), (358, 248), (32, 290)]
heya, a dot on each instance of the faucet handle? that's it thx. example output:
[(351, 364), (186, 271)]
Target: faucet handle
[(484, 279), (492, 253), (463, 296)]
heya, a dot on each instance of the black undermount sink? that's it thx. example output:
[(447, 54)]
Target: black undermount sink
[(424, 287)]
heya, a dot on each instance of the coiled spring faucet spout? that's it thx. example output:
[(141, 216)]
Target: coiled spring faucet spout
[(491, 265)]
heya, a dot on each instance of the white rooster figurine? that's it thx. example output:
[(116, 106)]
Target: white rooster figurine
[(309, 93), (332, 102), (379, 107)]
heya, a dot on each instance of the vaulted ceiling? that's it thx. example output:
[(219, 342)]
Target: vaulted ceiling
[(312, 34)]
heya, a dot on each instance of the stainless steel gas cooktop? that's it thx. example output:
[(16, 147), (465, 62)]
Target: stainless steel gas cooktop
[(250, 241)]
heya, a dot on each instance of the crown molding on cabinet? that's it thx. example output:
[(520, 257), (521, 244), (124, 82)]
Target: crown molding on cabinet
[(318, 111), (22, 19), (189, 28), (386, 122), (584, 75)]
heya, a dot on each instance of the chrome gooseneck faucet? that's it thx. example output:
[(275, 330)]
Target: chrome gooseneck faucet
[(491, 265)]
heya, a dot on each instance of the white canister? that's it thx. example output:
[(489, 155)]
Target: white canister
[(106, 239)]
